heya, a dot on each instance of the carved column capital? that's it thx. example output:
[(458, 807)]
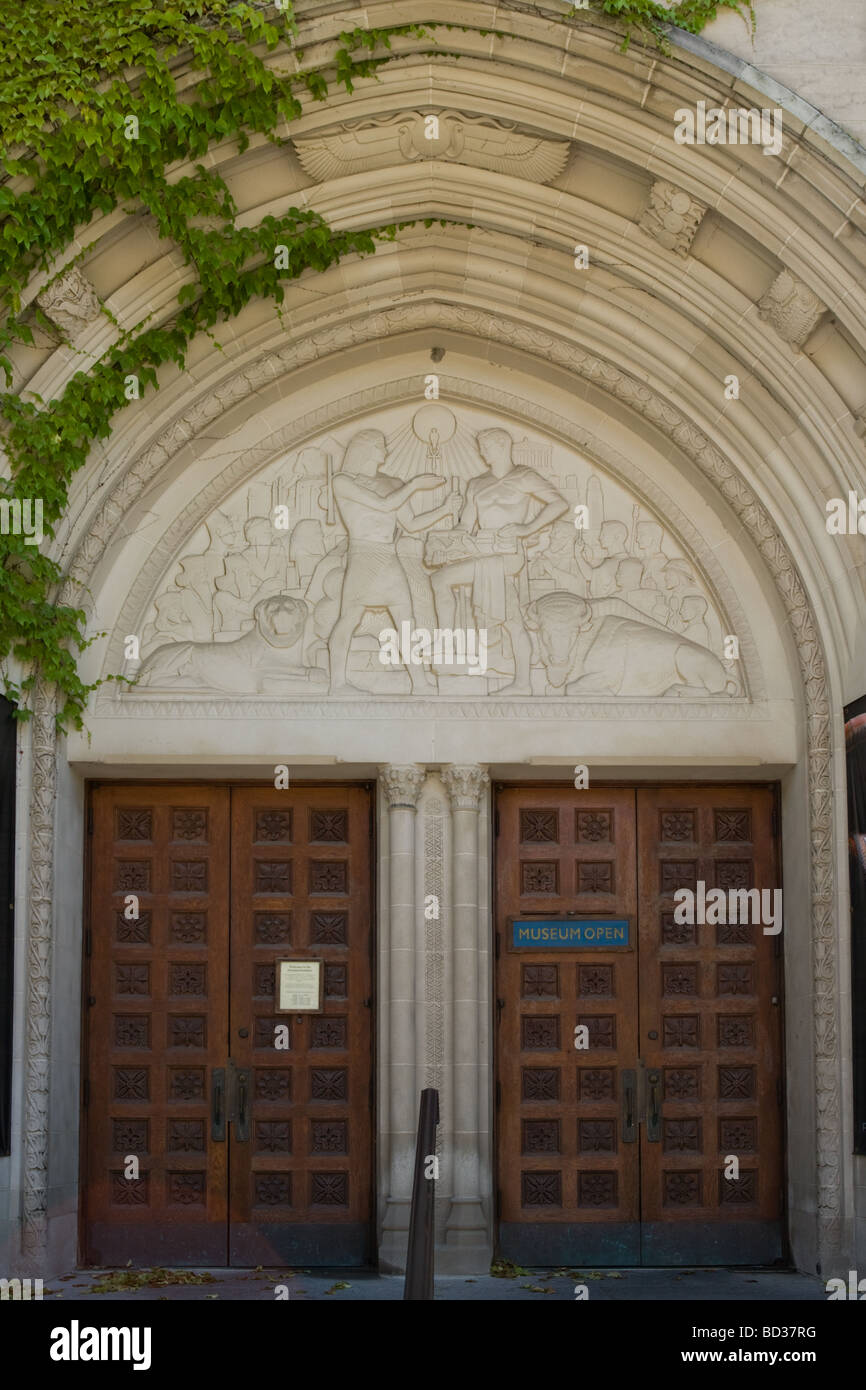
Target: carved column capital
[(465, 784), (402, 785)]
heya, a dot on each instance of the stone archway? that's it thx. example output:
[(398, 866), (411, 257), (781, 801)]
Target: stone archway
[(672, 412), (763, 532)]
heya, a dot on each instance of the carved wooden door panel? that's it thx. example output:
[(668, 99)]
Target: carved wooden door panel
[(710, 1033), (662, 1143), (301, 1181), (246, 1153), (568, 1157), (157, 1014)]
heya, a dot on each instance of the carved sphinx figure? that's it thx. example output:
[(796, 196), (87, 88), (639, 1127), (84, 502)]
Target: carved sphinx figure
[(605, 647), (272, 657)]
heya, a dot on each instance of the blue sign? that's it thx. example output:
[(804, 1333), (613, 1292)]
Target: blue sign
[(567, 934)]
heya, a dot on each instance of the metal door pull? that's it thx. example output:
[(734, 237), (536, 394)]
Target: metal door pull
[(217, 1105), (629, 1126), (242, 1123), (653, 1119)]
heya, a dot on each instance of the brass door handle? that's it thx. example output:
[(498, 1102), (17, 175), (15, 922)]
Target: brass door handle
[(629, 1126), (218, 1105)]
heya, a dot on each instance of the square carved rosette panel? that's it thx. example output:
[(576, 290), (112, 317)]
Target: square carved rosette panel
[(301, 890), (156, 1023), (707, 994), (561, 1156)]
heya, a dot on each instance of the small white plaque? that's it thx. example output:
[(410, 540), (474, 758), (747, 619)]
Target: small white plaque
[(299, 988)]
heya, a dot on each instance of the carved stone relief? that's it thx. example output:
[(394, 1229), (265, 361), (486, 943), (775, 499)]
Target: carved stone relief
[(70, 301), (479, 141), (672, 217), (435, 527), (792, 308)]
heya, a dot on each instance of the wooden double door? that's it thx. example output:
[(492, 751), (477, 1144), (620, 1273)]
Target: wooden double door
[(637, 1054), (253, 1145)]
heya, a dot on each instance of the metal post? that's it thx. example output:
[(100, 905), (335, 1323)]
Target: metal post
[(419, 1257)]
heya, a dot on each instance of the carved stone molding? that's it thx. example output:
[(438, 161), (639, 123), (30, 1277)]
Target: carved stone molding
[(465, 785), (792, 308), (672, 218), (402, 785), (482, 142), (644, 401), (604, 709), (40, 936), (70, 302)]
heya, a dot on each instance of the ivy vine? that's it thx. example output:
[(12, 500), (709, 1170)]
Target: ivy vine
[(655, 19), (93, 119)]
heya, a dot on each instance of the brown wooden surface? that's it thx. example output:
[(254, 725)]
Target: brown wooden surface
[(561, 1155), (707, 991), (157, 1024), (710, 994), (172, 999), (301, 891)]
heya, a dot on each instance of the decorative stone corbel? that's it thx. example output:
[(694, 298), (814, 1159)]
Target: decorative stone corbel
[(70, 302), (792, 308), (672, 218), (458, 137)]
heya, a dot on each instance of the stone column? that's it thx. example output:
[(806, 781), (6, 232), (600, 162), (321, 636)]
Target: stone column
[(40, 1003), (466, 1231), (401, 787)]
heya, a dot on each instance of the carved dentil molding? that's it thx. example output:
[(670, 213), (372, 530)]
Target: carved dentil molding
[(410, 136), (548, 710), (672, 218), (402, 785), (464, 785), (793, 309)]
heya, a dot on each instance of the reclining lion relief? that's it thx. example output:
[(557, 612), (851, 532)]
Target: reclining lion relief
[(269, 659)]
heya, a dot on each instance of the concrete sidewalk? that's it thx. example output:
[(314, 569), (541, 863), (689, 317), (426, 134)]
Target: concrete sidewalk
[(619, 1286)]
